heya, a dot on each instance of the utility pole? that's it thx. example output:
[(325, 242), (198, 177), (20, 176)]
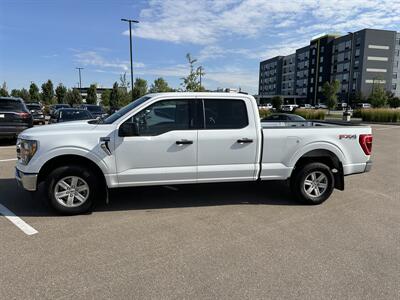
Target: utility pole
[(130, 47), (80, 78)]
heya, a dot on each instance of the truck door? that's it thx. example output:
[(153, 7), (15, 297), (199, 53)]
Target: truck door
[(227, 145), (158, 145)]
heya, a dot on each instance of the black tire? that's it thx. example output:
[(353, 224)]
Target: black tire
[(298, 186), (88, 176)]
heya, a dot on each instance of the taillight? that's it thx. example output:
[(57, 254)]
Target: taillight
[(366, 143), (24, 115)]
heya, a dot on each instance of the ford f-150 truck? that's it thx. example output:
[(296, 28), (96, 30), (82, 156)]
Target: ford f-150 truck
[(186, 138)]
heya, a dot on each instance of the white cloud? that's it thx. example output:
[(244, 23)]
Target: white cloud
[(93, 58)]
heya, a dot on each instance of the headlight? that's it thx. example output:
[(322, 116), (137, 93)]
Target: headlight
[(25, 150)]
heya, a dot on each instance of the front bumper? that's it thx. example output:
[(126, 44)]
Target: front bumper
[(368, 166), (27, 180)]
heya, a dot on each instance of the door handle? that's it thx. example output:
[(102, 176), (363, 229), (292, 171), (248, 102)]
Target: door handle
[(245, 141), (184, 142)]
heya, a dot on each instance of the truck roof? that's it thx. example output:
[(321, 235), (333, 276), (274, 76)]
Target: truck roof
[(202, 94)]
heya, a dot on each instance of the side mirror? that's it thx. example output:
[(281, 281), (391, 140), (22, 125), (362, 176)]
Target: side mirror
[(128, 129)]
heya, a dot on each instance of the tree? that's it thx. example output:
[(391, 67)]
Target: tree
[(394, 102), (139, 88), (24, 94), (105, 98), (191, 83), (330, 90), (277, 102), (115, 97), (61, 92), (123, 81), (34, 92), (3, 90), (357, 97), (15, 93), (378, 96), (91, 97), (73, 97), (47, 92), (160, 86)]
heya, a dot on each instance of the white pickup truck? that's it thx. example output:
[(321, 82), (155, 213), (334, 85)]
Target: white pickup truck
[(186, 138)]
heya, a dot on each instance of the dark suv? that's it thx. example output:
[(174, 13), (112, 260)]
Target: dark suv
[(14, 117), (37, 113), (96, 110)]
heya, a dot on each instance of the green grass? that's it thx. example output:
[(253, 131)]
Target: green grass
[(311, 114), (385, 115)]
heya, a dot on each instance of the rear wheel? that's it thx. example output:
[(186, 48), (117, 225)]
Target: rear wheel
[(313, 183), (72, 189)]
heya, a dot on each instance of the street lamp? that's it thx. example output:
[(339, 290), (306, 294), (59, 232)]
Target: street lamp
[(80, 80), (130, 47)]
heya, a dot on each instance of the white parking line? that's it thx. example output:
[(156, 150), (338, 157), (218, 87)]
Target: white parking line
[(17, 221), (10, 159), (7, 147)]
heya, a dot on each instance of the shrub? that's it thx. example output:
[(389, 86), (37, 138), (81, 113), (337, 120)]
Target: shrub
[(378, 115), (264, 113), (311, 114)]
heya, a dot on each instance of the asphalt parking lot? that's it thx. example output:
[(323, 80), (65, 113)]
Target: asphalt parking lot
[(226, 241)]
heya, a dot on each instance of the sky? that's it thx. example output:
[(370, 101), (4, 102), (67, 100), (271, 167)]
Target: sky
[(48, 39)]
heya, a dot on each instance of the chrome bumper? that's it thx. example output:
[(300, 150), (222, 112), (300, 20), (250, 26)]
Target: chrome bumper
[(27, 181)]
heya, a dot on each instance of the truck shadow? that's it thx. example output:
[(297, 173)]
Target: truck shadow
[(23, 203)]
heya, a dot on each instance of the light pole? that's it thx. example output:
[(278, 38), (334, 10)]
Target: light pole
[(130, 47), (80, 80)]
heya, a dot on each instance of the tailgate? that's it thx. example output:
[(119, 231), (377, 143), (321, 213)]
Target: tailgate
[(8, 118)]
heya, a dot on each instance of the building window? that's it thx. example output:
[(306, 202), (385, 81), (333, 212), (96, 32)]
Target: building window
[(358, 41), (322, 49), (357, 54), (311, 89), (341, 46), (320, 69), (348, 44), (312, 70), (312, 80), (379, 47), (321, 59), (340, 57), (320, 79), (376, 70), (319, 89)]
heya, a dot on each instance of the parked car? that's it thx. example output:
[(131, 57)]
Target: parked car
[(265, 106), (363, 105), (289, 107), (70, 114), (96, 110), (321, 106), (306, 106), (55, 107), (282, 117), (341, 106), (14, 117), (37, 113), (205, 137)]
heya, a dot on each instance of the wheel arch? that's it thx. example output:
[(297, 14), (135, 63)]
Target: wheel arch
[(68, 159), (326, 157)]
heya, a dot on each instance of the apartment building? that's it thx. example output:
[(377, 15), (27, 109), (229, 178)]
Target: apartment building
[(357, 60)]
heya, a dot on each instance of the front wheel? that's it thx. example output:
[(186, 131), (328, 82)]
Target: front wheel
[(313, 183), (72, 189)]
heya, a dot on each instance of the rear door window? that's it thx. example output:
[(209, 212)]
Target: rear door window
[(225, 114), (11, 105)]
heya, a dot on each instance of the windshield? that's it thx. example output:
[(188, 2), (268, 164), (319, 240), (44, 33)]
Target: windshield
[(71, 115), (118, 114), (33, 106), (94, 108)]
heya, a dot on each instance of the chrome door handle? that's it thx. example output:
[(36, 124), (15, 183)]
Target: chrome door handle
[(184, 142), (245, 141)]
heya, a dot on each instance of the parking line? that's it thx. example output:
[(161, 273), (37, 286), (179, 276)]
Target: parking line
[(7, 147), (10, 159), (17, 221)]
